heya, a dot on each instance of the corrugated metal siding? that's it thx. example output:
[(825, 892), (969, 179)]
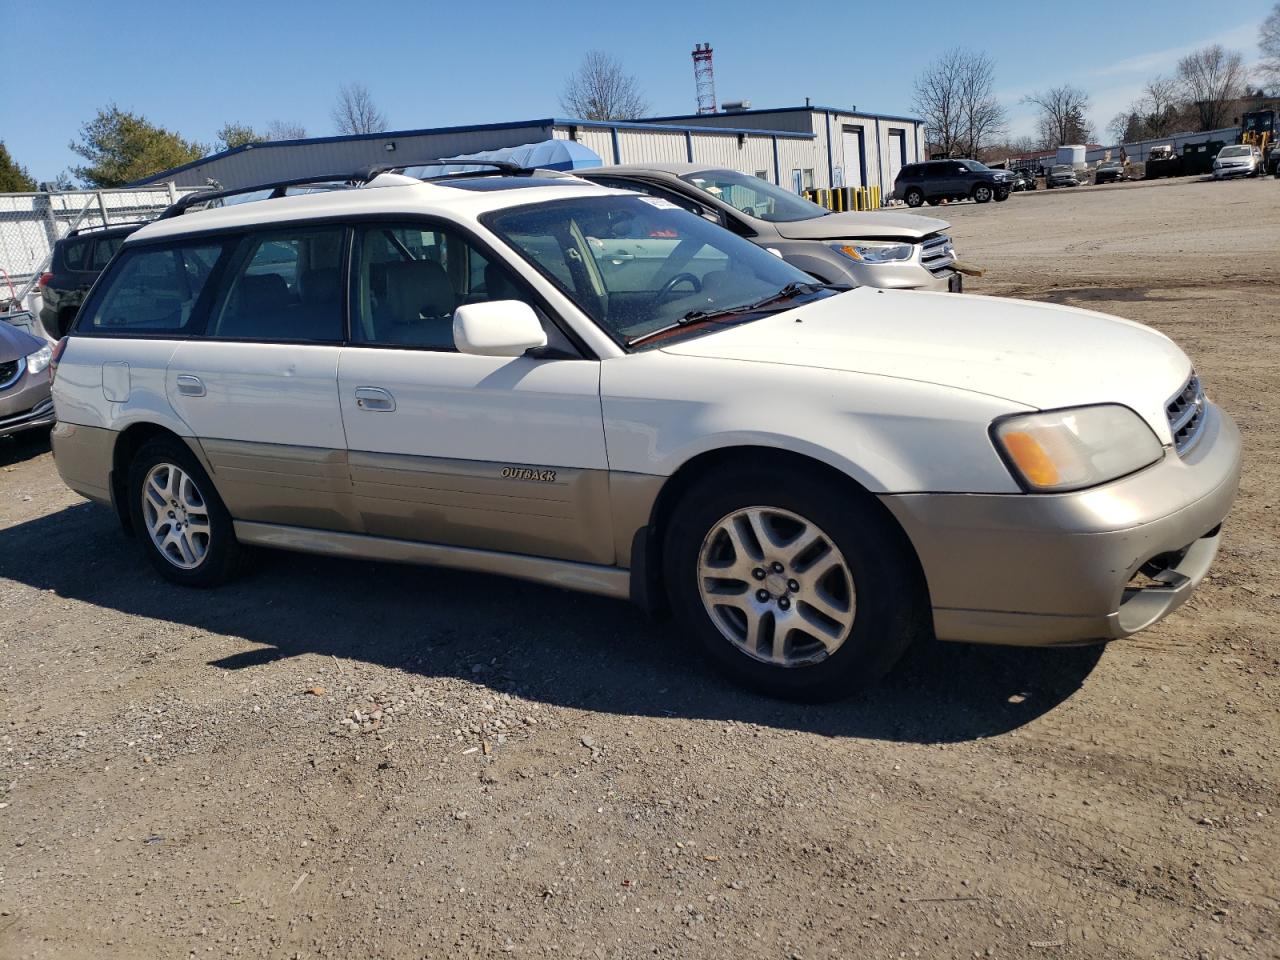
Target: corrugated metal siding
[(795, 121), (638, 146), (799, 155), (598, 139)]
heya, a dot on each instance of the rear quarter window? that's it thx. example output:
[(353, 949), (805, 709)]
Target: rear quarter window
[(152, 290), (73, 254)]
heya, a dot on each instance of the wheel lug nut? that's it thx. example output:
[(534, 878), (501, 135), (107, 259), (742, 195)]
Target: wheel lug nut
[(777, 567), (793, 586), (784, 603), (758, 573), (762, 596)]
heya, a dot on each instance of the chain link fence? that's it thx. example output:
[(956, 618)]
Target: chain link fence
[(30, 224)]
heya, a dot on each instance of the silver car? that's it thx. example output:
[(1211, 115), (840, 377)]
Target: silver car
[(1239, 160), (25, 403), (902, 251)]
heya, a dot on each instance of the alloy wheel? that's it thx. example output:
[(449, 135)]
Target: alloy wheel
[(776, 586), (176, 516)]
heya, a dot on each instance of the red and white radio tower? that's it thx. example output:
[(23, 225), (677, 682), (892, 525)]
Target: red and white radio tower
[(705, 78)]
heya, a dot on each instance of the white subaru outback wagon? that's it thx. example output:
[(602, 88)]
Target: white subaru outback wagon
[(465, 372)]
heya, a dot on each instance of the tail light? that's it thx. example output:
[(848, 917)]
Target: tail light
[(44, 279), (58, 350)]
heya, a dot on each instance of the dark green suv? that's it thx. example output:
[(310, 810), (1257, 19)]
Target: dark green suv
[(77, 260)]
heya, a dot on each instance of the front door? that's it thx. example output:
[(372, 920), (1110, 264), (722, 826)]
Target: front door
[(259, 388), (494, 453)]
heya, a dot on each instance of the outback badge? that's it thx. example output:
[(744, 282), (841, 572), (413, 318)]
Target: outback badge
[(528, 473)]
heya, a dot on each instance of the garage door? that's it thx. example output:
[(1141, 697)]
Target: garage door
[(897, 153), (854, 159)]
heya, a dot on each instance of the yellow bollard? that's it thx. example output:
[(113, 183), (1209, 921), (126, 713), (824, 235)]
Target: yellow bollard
[(875, 198)]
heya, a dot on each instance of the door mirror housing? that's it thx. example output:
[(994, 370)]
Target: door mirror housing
[(497, 328)]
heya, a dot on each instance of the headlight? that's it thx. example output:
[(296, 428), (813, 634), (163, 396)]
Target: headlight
[(875, 251), (1076, 448), (40, 359)]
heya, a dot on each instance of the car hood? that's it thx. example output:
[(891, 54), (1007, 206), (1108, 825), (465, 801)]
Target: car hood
[(15, 343), (1033, 354), (859, 226)]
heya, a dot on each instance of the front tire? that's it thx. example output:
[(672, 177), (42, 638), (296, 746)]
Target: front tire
[(982, 193), (797, 586), (914, 197), (181, 522), (1002, 196)]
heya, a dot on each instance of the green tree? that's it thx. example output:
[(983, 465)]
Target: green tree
[(237, 135), (122, 147), (13, 175)]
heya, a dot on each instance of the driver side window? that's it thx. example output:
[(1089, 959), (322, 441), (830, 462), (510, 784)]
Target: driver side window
[(409, 279)]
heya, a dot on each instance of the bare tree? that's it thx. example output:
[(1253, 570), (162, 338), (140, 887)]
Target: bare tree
[(355, 111), (955, 95), (1157, 113), (1212, 79), (287, 130), (602, 90), (1269, 46), (1062, 115)]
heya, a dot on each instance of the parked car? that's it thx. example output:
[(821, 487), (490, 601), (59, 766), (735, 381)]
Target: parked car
[(1023, 180), (874, 249), (1237, 160), (466, 373), (937, 180), (24, 375), (1062, 175), (77, 260), (1111, 171)]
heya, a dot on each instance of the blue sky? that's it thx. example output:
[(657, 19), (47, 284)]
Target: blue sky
[(192, 67)]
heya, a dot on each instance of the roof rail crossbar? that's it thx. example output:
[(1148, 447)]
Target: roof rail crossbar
[(279, 188)]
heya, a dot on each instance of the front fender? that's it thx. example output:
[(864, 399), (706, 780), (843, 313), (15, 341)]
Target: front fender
[(889, 435)]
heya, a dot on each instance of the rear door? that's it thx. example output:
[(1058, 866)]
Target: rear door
[(493, 453), (259, 387)]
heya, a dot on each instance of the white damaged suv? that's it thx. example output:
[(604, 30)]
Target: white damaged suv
[(460, 373)]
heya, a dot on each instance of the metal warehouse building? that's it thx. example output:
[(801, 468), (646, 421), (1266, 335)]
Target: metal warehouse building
[(797, 147)]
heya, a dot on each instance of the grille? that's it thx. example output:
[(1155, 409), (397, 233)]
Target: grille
[(937, 254), (1186, 414), (10, 371)]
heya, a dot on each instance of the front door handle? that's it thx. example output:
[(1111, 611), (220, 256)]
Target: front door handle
[(375, 400), (190, 386)]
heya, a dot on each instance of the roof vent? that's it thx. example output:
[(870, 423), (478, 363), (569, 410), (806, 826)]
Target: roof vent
[(736, 106)]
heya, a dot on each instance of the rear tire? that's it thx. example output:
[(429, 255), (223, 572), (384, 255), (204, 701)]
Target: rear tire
[(181, 522), (914, 197), (796, 585)]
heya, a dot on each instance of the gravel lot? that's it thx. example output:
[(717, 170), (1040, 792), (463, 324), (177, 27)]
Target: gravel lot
[(341, 759)]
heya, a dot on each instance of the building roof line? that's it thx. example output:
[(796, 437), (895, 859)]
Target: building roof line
[(814, 108)]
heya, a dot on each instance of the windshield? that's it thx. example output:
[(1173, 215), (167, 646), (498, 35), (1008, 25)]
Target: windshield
[(755, 197), (638, 265), (1234, 152)]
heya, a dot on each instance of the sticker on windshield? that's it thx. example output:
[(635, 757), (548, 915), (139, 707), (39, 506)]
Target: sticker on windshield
[(660, 203)]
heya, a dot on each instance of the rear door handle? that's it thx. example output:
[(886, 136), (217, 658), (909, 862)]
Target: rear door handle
[(190, 386), (375, 400)]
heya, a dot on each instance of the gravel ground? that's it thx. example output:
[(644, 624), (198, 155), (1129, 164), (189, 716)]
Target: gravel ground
[(342, 759)]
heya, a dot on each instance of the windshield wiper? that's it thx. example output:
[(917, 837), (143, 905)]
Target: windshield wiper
[(793, 289)]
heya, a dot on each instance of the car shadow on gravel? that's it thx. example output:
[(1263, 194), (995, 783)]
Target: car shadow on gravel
[(24, 446), (556, 647)]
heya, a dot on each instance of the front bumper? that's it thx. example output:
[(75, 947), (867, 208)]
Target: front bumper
[(1064, 569), (1222, 173), (27, 404)]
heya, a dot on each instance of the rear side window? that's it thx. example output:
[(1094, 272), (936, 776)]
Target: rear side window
[(284, 285), (73, 255), (909, 172), (153, 290), (103, 251)]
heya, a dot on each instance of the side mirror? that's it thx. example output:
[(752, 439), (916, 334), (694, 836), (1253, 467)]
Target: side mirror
[(498, 328)]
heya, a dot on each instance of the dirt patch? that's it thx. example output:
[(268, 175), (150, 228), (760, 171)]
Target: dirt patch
[(342, 759)]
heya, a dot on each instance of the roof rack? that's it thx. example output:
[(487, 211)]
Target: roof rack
[(107, 226), (339, 181)]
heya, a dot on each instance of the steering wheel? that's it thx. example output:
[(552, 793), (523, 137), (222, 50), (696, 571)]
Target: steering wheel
[(675, 281)]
